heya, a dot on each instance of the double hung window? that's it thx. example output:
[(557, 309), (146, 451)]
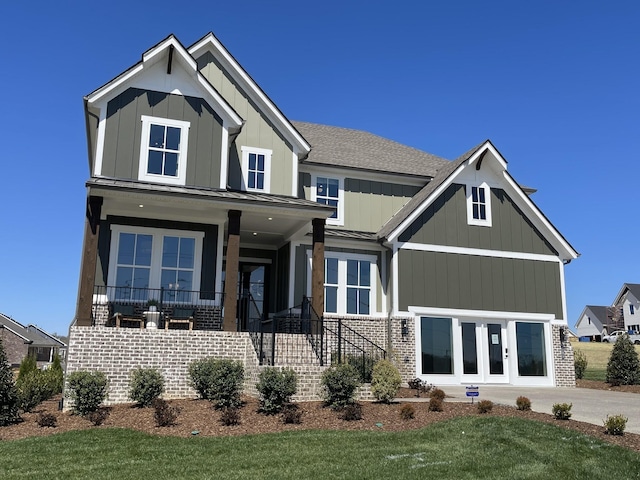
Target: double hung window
[(479, 205), (329, 191), (256, 169), (163, 152)]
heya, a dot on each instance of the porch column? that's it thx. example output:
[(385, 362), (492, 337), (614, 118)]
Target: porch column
[(89, 260), (231, 271), (317, 267)]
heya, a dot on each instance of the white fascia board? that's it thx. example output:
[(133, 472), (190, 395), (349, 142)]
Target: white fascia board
[(620, 295), (477, 252), (354, 244), (455, 312), (382, 177), (294, 173), (101, 96), (212, 44)]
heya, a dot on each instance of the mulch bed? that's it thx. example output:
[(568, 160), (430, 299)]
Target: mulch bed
[(198, 415)]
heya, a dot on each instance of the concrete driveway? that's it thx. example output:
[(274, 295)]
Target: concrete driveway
[(589, 405)]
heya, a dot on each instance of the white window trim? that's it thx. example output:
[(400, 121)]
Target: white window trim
[(267, 168), (342, 281), (339, 220), (487, 198), (181, 178), (156, 251)]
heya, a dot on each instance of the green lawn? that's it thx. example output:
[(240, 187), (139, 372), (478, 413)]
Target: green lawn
[(598, 357), (466, 447)]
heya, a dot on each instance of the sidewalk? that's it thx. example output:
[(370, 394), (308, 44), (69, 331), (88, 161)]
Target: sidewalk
[(589, 405)]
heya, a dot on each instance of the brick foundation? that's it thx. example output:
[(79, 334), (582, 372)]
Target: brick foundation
[(565, 374)]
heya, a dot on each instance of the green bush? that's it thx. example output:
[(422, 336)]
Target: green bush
[(164, 414), (28, 365), (34, 387), (145, 385), (623, 367), (291, 414), (485, 406), (385, 381), (339, 385), (615, 424), (219, 381), (57, 375), (580, 363), (87, 390), (523, 403), (9, 401), (407, 412), (276, 387), (562, 411)]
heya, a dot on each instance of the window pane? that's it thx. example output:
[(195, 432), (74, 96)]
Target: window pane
[(483, 212), (143, 250), (156, 136), (365, 274), (352, 272), (352, 300), (321, 186), (124, 277), (260, 182), (252, 179), (261, 163), (331, 271), (532, 358), (476, 213), (171, 164), (173, 138), (252, 161), (333, 187), (437, 345), (474, 194), (469, 349), (363, 303), (331, 299), (481, 194), (185, 278), (126, 249), (141, 278), (155, 162), (187, 252), (170, 251)]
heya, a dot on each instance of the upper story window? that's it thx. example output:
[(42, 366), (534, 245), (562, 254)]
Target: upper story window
[(256, 169), (632, 310), (479, 205), (163, 151), (329, 191)]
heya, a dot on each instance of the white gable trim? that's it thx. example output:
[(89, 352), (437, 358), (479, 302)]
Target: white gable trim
[(211, 44)]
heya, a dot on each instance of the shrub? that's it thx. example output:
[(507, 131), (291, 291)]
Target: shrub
[(276, 387), (28, 365), (407, 412), (34, 387), (230, 416), (485, 406), (87, 390), (339, 385), (164, 414), (562, 411), (437, 393), (385, 381), (291, 414), (352, 412), (219, 381), (580, 363), (523, 403), (98, 417), (615, 424), (9, 401), (363, 365), (419, 386), (623, 367), (435, 404), (47, 420), (145, 385)]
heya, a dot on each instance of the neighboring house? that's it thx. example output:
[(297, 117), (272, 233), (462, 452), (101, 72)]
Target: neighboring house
[(628, 302), (203, 196), (19, 341), (594, 322)]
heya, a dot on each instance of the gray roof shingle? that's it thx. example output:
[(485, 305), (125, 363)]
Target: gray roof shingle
[(345, 147)]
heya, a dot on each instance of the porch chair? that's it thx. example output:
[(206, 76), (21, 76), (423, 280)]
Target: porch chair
[(180, 315), (127, 313)]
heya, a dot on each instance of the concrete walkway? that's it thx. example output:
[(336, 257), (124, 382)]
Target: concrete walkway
[(589, 405)]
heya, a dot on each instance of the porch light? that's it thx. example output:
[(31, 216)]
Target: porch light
[(562, 336), (269, 218), (141, 205), (255, 233)]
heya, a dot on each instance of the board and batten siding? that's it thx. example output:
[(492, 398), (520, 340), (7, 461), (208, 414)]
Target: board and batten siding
[(121, 156), (444, 222), (257, 131), (368, 204), (472, 282)]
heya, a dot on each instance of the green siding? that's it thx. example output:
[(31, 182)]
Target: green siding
[(209, 246), (257, 131), (445, 280), (121, 156), (444, 222)]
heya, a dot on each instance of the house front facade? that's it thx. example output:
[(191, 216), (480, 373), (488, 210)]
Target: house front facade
[(208, 209), (20, 341), (627, 302)]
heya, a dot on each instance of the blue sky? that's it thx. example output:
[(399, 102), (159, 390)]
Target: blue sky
[(553, 84)]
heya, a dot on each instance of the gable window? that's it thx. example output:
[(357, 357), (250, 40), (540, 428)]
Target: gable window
[(479, 205), (150, 258), (329, 191), (631, 310), (256, 169), (163, 150)]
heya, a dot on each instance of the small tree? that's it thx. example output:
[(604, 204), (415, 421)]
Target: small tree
[(624, 366), (8, 394), (385, 381), (28, 365), (580, 363)]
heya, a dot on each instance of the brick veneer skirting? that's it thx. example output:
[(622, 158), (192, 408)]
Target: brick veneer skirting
[(565, 374)]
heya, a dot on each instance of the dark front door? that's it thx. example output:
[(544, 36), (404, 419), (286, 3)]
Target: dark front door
[(252, 279)]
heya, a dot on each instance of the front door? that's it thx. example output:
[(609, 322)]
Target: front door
[(497, 352), (252, 279)]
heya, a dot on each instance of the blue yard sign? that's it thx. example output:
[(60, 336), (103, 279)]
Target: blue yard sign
[(473, 391)]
